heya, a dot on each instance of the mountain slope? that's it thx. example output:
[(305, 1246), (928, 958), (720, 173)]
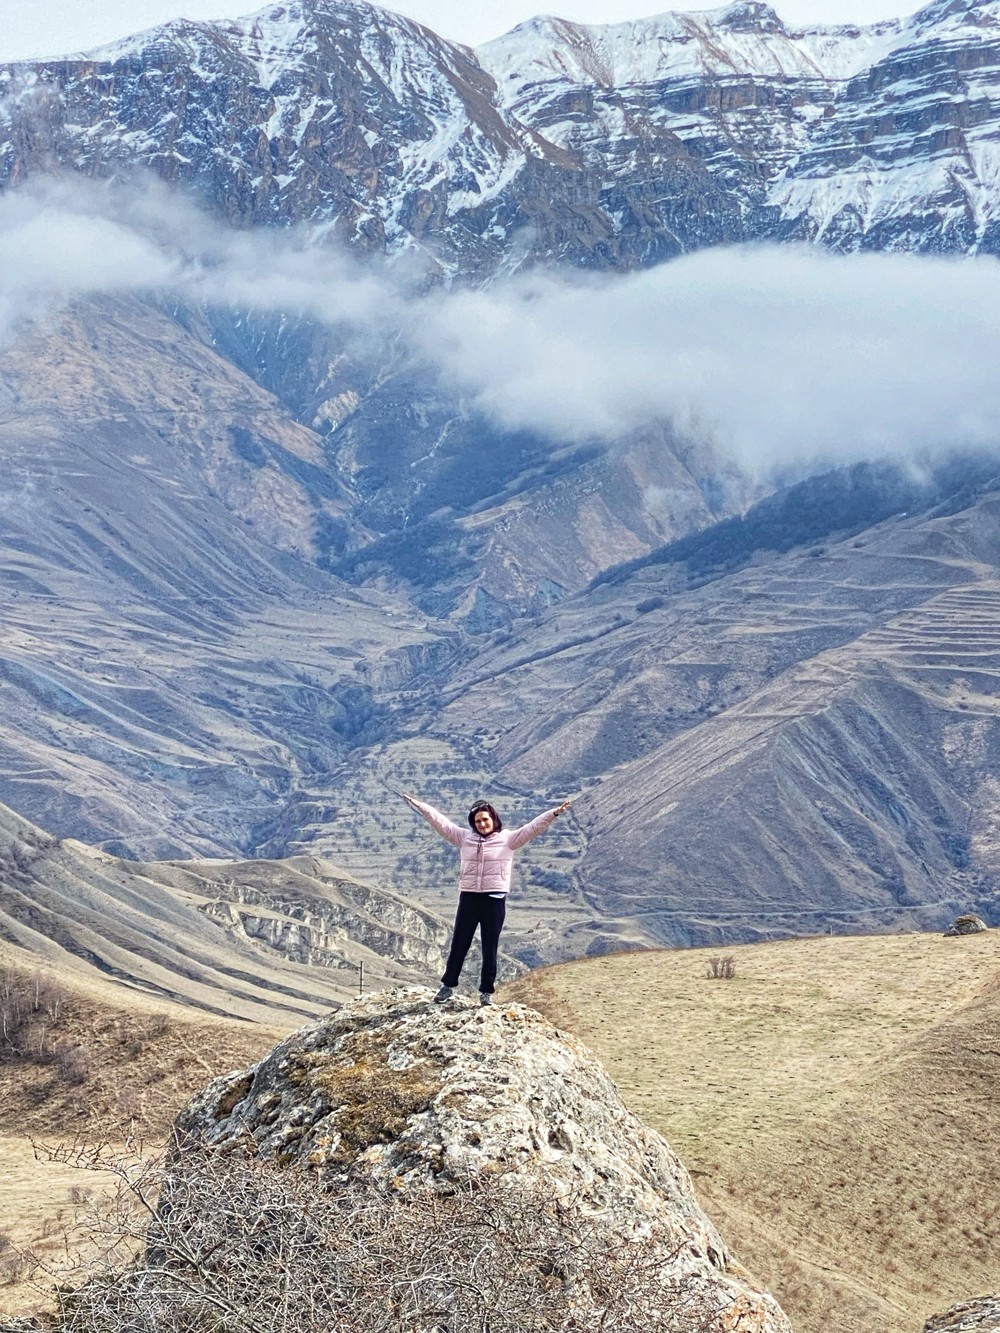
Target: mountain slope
[(173, 661), (259, 940), (176, 683), (803, 744)]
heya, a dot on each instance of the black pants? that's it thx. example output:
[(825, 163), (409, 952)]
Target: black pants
[(476, 909)]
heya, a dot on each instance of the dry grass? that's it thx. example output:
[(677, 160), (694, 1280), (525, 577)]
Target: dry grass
[(142, 1060), (836, 1102)]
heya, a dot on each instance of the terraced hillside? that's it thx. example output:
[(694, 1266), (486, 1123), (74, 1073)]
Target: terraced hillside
[(835, 1101), (807, 742)]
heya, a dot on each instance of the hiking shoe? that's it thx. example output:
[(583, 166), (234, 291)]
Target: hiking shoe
[(445, 993), (485, 999)]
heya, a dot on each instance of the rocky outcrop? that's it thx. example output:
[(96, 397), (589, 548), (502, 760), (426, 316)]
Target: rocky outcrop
[(323, 923), (145, 925), (977, 1316), (409, 1096), (967, 924)]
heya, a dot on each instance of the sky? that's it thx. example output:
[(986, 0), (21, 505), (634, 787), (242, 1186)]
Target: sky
[(35, 28)]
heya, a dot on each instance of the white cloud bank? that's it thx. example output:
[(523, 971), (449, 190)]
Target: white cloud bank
[(786, 356)]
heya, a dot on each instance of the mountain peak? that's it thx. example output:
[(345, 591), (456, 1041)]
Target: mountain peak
[(939, 11), (749, 16)]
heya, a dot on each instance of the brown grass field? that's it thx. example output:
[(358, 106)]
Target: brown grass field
[(142, 1058), (837, 1103)]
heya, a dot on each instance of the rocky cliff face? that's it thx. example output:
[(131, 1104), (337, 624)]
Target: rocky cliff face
[(609, 146), (308, 911), (976, 1316), (878, 137), (344, 115), (407, 1096)]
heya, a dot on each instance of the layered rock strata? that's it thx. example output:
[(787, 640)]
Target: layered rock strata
[(607, 146)]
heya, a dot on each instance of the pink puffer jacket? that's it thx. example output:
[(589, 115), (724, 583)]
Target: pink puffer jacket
[(486, 862)]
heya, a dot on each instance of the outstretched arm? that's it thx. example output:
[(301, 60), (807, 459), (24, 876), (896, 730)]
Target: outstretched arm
[(439, 823), (528, 831)]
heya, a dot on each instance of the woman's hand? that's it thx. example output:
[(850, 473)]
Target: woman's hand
[(565, 806)]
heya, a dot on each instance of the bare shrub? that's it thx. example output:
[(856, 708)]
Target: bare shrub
[(32, 1006), (13, 1263), (722, 968), (73, 1063), (128, 1103), (230, 1245)]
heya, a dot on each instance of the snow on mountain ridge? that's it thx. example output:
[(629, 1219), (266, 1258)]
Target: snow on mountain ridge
[(881, 136), (270, 35), (603, 146), (419, 118), (742, 38)]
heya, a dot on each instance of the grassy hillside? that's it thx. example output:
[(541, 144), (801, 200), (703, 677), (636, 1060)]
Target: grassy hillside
[(82, 1059), (836, 1102)]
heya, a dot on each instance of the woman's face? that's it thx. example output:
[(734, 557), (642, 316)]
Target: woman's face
[(484, 822)]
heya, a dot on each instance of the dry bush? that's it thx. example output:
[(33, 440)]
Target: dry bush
[(230, 1245), (14, 1263), (73, 1063), (32, 1007), (722, 968)]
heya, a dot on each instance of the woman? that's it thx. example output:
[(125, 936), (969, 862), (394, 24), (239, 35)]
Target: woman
[(486, 850)]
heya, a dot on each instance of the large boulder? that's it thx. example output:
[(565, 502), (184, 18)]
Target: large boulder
[(977, 1316), (412, 1097), (967, 924)]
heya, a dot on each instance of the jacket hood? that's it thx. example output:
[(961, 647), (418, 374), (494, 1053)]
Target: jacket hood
[(485, 805)]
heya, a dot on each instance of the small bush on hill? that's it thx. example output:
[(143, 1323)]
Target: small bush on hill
[(32, 1009), (723, 969)]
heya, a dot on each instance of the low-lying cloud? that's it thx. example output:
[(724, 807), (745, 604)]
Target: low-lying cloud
[(784, 356)]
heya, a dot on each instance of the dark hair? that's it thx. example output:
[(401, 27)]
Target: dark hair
[(484, 805)]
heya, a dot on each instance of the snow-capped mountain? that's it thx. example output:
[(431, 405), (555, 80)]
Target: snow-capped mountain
[(883, 136), (608, 146), (342, 114)]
